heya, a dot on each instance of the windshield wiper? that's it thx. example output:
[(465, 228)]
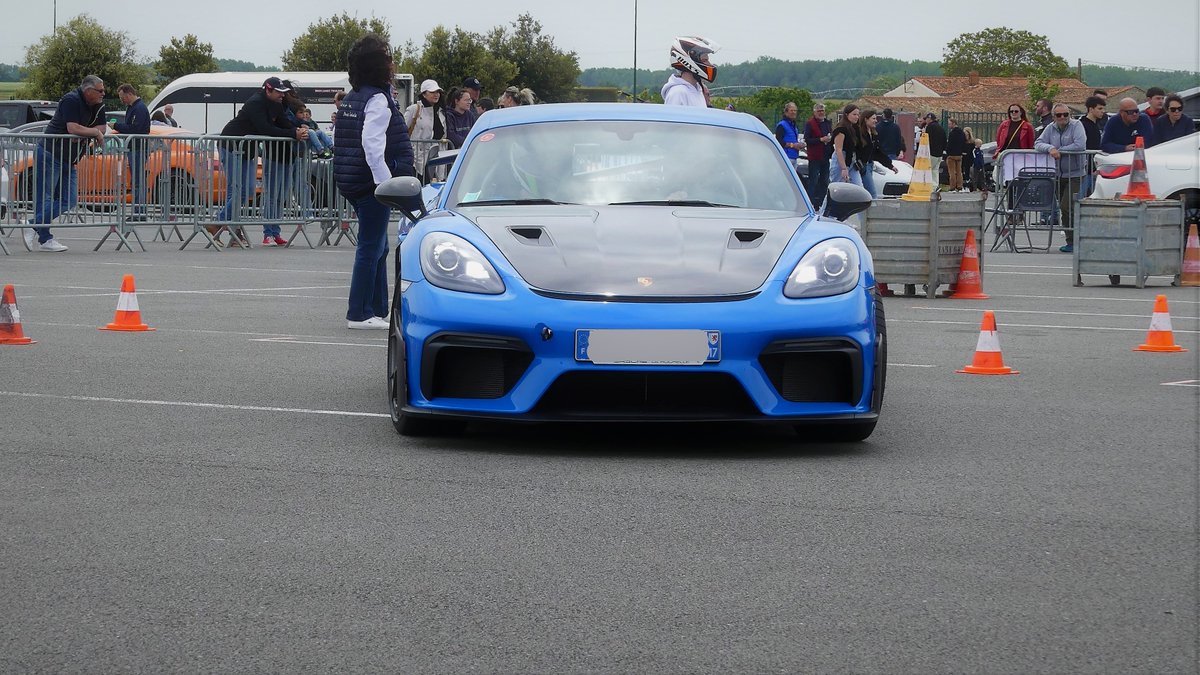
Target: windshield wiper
[(673, 202), (510, 202)]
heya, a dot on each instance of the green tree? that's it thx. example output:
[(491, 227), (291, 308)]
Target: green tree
[(1002, 52), (1038, 87), (184, 57), (57, 62), (236, 66), (448, 57), (550, 72), (326, 43), (769, 102)]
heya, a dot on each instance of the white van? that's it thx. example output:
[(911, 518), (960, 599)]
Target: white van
[(205, 102)]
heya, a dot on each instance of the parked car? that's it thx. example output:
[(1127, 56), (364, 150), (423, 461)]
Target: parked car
[(174, 165), (15, 113), (616, 262), (887, 183), (1172, 169)]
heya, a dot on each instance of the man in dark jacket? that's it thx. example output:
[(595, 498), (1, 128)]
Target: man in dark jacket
[(891, 141), (937, 142), (80, 113), (1093, 127), (1173, 124), (262, 115), (137, 121), (818, 136)]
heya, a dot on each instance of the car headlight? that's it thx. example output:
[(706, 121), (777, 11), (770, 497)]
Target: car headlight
[(829, 268), (452, 263)]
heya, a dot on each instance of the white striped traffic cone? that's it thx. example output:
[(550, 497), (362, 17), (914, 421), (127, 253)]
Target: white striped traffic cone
[(988, 359), (128, 316)]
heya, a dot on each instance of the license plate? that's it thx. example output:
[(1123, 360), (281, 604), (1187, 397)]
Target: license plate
[(613, 347)]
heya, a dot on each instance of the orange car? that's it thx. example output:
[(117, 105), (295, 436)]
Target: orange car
[(175, 165)]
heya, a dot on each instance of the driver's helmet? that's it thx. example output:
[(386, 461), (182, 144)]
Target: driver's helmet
[(691, 54)]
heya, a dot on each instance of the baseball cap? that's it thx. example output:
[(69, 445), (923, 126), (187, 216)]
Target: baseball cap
[(430, 85), (276, 84), (472, 83), (930, 116)]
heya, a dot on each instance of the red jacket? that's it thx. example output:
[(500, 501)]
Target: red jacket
[(1024, 139)]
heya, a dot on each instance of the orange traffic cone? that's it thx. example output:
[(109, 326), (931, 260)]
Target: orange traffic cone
[(1160, 338), (1191, 259), (1139, 183), (10, 320), (970, 284), (988, 359), (128, 316)]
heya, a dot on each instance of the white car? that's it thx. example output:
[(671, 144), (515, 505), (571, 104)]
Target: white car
[(1173, 169), (887, 184)]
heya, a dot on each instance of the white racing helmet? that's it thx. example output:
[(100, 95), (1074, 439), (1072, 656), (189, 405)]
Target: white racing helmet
[(691, 54)]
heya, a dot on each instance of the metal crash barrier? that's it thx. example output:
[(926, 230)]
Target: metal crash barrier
[(184, 186)]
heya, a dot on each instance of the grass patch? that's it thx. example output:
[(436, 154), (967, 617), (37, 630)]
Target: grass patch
[(8, 90)]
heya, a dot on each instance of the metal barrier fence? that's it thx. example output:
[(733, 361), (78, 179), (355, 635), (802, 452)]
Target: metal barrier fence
[(186, 187), (1038, 194)]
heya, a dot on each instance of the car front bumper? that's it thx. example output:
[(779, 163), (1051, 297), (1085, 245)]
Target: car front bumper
[(512, 356)]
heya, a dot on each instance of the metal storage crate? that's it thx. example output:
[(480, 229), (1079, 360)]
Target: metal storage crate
[(922, 242), (1129, 238)]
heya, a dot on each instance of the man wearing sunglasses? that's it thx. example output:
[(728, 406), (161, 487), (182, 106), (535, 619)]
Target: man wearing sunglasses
[(1065, 140), (1174, 124), (1128, 124)]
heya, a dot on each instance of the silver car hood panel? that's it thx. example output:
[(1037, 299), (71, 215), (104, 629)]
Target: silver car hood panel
[(639, 251)]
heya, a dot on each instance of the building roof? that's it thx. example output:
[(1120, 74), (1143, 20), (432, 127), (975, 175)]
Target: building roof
[(980, 94)]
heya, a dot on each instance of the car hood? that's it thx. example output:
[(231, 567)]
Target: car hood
[(639, 251)]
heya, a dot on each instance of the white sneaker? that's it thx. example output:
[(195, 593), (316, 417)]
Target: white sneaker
[(52, 246), (30, 238), (373, 323)]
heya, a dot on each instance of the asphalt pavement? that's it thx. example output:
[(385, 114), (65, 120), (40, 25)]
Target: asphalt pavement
[(226, 493)]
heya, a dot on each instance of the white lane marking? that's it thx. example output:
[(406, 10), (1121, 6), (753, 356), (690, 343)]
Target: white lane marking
[(905, 365), (1103, 299), (989, 266), (190, 330), (194, 404), (292, 341), (83, 261), (1183, 383), (239, 292), (1006, 324), (1042, 311)]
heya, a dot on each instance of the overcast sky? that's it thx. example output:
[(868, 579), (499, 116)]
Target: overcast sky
[(1156, 34)]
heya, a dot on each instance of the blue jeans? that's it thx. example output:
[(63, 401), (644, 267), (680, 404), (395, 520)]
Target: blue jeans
[(275, 190), (318, 140), (239, 181), (56, 190), (137, 176), (368, 280), (868, 179), (818, 181), (1086, 184)]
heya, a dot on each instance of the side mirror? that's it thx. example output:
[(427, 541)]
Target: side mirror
[(404, 194), (847, 199)]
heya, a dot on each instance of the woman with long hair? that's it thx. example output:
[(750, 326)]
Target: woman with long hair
[(1015, 133), (459, 118), (426, 122), (372, 146), (844, 166), (870, 150)]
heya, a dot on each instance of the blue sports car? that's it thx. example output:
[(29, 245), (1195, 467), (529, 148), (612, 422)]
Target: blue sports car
[(608, 262)]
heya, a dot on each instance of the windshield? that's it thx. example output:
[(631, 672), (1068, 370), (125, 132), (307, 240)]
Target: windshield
[(627, 162)]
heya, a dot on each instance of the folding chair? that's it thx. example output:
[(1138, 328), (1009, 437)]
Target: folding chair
[(1034, 190)]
